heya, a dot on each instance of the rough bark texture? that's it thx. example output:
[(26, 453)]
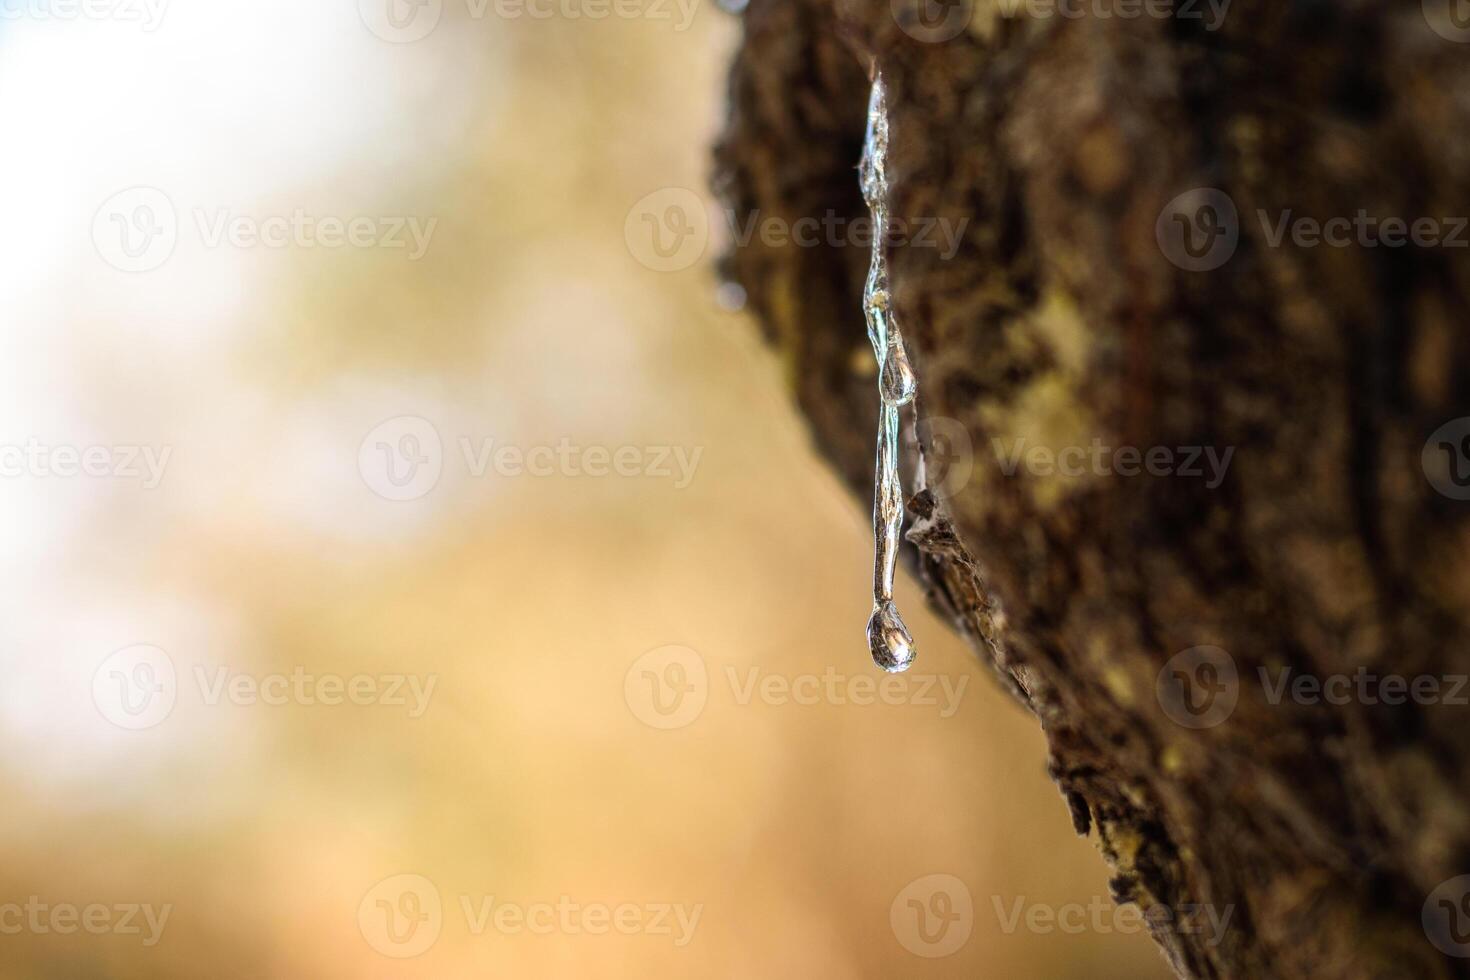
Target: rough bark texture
[(1058, 142)]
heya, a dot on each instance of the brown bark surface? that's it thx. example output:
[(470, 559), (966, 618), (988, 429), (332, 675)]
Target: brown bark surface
[(1055, 144)]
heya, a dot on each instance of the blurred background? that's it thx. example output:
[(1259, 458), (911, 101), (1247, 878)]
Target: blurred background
[(414, 565)]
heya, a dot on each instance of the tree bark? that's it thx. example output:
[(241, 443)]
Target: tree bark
[(1148, 618)]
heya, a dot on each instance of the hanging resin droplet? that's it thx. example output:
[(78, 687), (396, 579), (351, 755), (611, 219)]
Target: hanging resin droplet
[(888, 639), (896, 381)]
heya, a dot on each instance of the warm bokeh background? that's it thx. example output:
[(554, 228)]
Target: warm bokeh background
[(533, 774)]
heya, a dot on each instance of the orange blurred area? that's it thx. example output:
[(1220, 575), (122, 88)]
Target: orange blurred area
[(408, 578)]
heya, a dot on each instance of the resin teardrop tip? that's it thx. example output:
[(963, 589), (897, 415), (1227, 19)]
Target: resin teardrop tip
[(889, 639), (897, 384)]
